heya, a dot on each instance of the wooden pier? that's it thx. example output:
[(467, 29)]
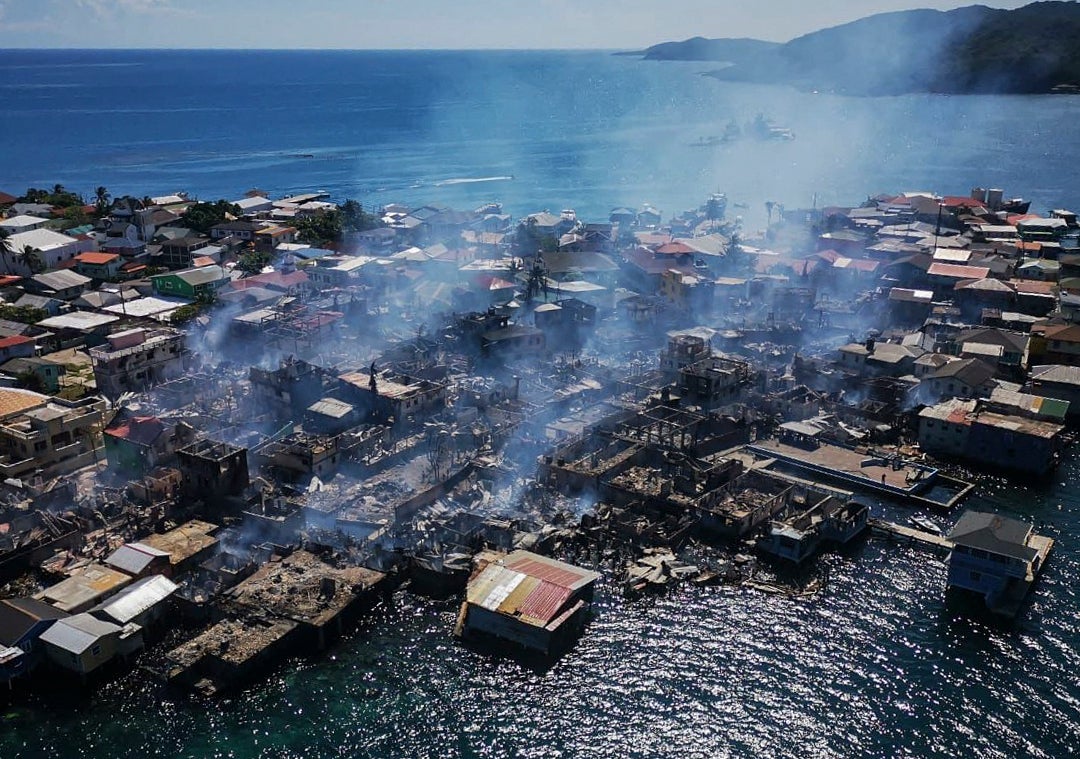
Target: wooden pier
[(910, 535)]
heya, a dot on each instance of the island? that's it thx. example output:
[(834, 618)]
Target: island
[(971, 50)]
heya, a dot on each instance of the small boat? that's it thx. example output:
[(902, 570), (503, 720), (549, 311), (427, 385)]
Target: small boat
[(707, 142), (924, 524)]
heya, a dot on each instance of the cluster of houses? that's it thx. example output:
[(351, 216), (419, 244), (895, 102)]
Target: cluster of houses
[(645, 351)]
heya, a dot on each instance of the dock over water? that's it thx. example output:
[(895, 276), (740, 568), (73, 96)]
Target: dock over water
[(911, 535), (868, 471)]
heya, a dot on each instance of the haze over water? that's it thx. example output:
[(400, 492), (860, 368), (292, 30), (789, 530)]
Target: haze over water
[(875, 665), (548, 129)]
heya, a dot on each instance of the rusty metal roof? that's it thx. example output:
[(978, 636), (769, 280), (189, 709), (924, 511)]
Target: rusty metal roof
[(530, 588)]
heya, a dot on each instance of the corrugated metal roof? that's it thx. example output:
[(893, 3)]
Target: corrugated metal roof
[(533, 589), (78, 633), (140, 597), (544, 602), (551, 570), (133, 557)]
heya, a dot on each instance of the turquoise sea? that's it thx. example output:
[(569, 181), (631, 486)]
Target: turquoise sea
[(876, 665)]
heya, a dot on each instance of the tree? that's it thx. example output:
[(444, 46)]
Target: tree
[(769, 205), (29, 257), (31, 380), (22, 314), (320, 229), (184, 314), (202, 216), (76, 215), (528, 241), (59, 196), (252, 261), (6, 250), (101, 200), (715, 208), (355, 219)]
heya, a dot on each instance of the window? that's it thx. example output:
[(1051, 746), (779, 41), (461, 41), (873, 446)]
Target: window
[(95, 651)]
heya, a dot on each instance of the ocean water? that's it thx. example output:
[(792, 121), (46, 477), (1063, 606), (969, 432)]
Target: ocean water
[(876, 665), (535, 130)]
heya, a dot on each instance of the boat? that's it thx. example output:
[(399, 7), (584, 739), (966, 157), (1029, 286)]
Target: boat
[(924, 524), (707, 142), (766, 129)]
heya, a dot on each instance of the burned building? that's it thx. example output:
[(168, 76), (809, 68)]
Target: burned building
[(389, 394), (138, 358), (715, 381), (798, 533), (212, 471), (685, 348), (187, 546), (301, 454), (296, 603), (291, 388)]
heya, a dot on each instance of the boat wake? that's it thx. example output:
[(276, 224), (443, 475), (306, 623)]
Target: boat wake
[(471, 180)]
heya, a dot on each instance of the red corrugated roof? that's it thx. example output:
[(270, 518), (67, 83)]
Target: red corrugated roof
[(675, 249), (13, 340), (558, 575), (960, 201), (544, 601), (141, 430), (96, 258), (958, 271)]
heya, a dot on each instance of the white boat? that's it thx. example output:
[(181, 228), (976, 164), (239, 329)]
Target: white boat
[(924, 524)]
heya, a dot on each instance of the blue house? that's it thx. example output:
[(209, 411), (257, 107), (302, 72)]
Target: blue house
[(995, 557), (22, 621)]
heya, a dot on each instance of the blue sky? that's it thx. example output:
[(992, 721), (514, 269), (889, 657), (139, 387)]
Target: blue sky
[(419, 23)]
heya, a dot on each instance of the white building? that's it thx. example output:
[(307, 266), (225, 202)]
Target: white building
[(52, 249)]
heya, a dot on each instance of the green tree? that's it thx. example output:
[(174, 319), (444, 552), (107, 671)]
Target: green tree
[(355, 219), (59, 196), (101, 200), (184, 314), (30, 258), (22, 314), (528, 241), (76, 216), (320, 229), (6, 250), (31, 380), (202, 216), (252, 261)]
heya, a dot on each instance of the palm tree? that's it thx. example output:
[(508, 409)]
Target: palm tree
[(101, 199), (30, 258), (6, 249)]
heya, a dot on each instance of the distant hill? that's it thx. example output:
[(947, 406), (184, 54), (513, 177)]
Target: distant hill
[(968, 50), (701, 49)]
